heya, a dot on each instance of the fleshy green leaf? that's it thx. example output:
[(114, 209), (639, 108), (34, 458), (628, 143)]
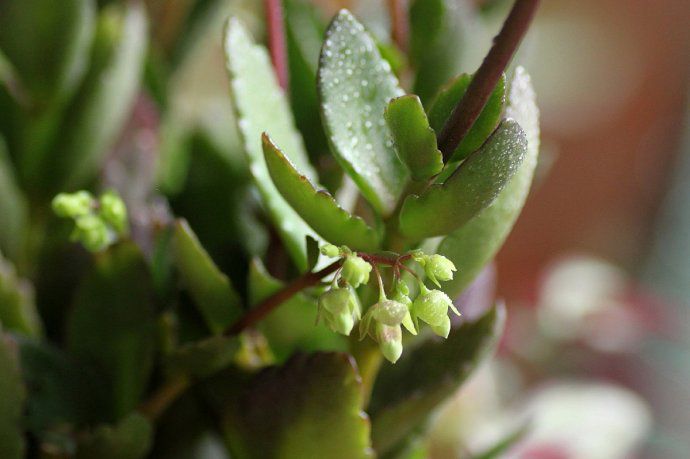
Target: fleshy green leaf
[(261, 105), (12, 208), (105, 98), (450, 95), (11, 403), (211, 290), (405, 394), (355, 86), (476, 243), (470, 189), (414, 139), (292, 326), (112, 324), (130, 438), (313, 253), (17, 307), (47, 43), (203, 358), (441, 32), (314, 403), (317, 207)]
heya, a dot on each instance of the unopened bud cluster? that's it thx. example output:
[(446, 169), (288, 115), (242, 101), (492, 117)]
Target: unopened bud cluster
[(383, 321), (97, 222)]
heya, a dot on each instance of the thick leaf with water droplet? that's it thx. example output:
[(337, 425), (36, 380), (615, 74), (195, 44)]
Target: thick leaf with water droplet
[(291, 326), (355, 86), (317, 207), (12, 394), (210, 289), (112, 324), (476, 243), (203, 358), (130, 438), (314, 401), (470, 189), (17, 306), (12, 208), (261, 105), (414, 139), (441, 34), (449, 96), (405, 394)]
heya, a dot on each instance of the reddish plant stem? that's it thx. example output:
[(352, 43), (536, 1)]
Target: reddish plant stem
[(269, 304), (470, 106), (399, 23), (276, 40)]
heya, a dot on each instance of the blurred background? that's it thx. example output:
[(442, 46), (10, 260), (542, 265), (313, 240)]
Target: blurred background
[(596, 274)]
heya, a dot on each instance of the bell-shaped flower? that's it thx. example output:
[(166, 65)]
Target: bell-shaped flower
[(340, 309), (439, 268), (390, 341), (355, 270), (431, 306)]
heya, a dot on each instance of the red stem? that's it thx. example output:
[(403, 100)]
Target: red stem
[(276, 40), (399, 23), (484, 81)]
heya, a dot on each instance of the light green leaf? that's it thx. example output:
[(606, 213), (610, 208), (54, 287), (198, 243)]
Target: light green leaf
[(414, 139), (211, 290), (112, 324), (105, 98), (18, 311), (470, 189), (315, 405), (203, 358), (292, 326), (355, 86), (406, 394), (47, 43), (476, 243), (131, 438), (11, 402), (12, 208), (261, 105), (446, 100), (317, 207)]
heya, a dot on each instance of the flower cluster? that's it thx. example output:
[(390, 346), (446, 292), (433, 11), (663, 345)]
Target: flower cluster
[(383, 321), (97, 222)]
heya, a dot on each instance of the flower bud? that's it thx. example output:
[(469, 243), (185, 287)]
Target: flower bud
[(72, 205), (330, 250), (389, 312), (113, 211), (355, 271), (431, 306), (443, 329), (390, 341), (400, 295), (340, 309), (439, 268), (92, 232)]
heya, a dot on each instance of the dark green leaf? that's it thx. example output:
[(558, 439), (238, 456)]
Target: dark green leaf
[(261, 105), (414, 140), (440, 37), (130, 438), (470, 189), (449, 96), (313, 252), (405, 394), (17, 307), (12, 394), (12, 208), (355, 86), (203, 358), (211, 290), (105, 98), (47, 43), (317, 207), (112, 324), (476, 243), (314, 403)]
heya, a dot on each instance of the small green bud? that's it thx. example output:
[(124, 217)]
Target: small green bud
[(388, 312), (330, 250), (400, 295), (113, 211), (92, 232), (340, 309), (443, 329), (390, 341), (431, 306), (355, 271), (439, 268), (72, 205)]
